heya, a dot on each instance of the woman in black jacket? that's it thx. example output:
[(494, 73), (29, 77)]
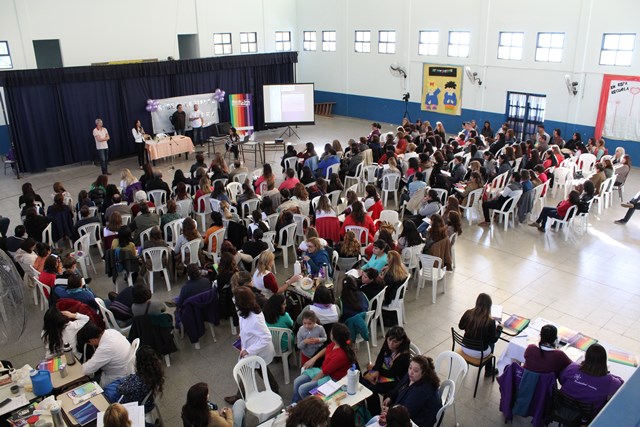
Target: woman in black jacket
[(478, 324), (391, 365)]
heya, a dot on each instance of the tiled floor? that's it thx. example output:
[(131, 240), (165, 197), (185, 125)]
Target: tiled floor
[(588, 283)]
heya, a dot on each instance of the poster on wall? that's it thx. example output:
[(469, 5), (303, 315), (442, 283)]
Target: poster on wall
[(241, 113), (619, 110), (442, 89), (167, 106)]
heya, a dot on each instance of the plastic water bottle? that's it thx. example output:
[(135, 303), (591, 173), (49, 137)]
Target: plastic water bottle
[(56, 416), (297, 267), (68, 354), (352, 380)]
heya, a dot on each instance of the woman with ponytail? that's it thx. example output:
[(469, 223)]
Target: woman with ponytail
[(338, 358), (544, 357)]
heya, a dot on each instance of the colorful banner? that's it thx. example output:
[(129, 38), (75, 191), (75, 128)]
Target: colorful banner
[(442, 89), (618, 112), (241, 112)]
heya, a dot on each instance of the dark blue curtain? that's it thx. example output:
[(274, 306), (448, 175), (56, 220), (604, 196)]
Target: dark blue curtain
[(52, 111)]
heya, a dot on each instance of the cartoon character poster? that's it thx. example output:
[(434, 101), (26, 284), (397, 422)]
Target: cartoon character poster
[(442, 89), (619, 113)]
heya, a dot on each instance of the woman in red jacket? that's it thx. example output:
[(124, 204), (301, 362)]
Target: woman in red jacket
[(360, 218), (338, 358), (558, 212)]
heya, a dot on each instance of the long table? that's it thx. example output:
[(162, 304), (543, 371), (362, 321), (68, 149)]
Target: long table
[(518, 344), (169, 146)]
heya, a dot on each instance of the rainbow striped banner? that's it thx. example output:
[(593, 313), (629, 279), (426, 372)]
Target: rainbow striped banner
[(241, 112)]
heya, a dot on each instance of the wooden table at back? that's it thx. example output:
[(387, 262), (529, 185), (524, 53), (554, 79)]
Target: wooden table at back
[(169, 146)]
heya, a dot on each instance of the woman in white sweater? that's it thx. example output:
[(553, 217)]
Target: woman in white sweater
[(61, 327)]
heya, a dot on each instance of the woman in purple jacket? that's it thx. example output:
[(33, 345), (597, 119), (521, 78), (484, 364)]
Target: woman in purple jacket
[(590, 382)]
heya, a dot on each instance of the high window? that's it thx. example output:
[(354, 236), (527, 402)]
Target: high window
[(363, 42), (459, 42), (428, 43), (329, 41), (248, 42), (549, 47), (510, 46), (283, 41), (617, 49), (222, 44), (309, 40), (386, 41)]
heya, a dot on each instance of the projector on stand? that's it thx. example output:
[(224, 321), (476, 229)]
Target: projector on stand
[(279, 140)]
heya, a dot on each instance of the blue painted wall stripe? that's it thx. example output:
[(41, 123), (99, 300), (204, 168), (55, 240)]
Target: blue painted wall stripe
[(391, 111)]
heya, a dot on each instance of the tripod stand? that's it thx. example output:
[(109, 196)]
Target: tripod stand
[(406, 110), (289, 131), (172, 167)]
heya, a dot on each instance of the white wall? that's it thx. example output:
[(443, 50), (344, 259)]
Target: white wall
[(582, 21), (97, 31)]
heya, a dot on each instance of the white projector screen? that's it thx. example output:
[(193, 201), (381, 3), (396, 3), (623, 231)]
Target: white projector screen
[(290, 104)]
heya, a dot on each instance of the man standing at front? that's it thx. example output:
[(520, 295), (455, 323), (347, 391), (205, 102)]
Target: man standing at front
[(178, 119), (196, 118), (101, 135)]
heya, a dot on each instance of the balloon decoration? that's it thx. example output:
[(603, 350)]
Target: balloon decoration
[(219, 95), (152, 105)]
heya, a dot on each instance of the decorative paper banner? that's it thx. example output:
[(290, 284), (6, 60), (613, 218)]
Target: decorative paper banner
[(619, 110), (442, 89), (241, 109), (167, 106)]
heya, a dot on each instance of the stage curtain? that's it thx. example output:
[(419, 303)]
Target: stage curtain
[(52, 111)]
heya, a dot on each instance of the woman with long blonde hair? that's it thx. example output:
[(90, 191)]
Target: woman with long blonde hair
[(205, 188), (395, 275), (265, 281), (126, 179), (350, 246)]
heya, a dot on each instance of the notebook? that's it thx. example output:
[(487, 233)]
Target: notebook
[(85, 413)]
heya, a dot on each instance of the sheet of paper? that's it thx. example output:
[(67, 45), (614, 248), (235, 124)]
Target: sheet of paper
[(16, 402), (329, 388), (496, 311), (538, 323)]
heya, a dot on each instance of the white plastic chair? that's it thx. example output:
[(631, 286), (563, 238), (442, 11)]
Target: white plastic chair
[(263, 404), (156, 256), (110, 320), (397, 304), (357, 177), (586, 163), (44, 301), (507, 210), (95, 231), (276, 337), (497, 185), (302, 222), (442, 195), (126, 219), (215, 205), (432, 269), (314, 203), (83, 244), (390, 185), (561, 179), (447, 392), (290, 163), (233, 190), (176, 230), (184, 207), (360, 233), (451, 366), (240, 178), (335, 168), (414, 350), (376, 301), (47, 234), (145, 235), (193, 247), (289, 243), (452, 241), (334, 196), (159, 199), (247, 207), (474, 200), (369, 174), (566, 222), (272, 220), (368, 318), (410, 258), (211, 252), (203, 211)]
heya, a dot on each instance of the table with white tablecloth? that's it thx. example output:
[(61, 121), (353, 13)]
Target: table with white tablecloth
[(169, 146), (531, 335)]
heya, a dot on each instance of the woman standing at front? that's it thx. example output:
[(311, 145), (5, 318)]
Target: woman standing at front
[(254, 333), (138, 138)]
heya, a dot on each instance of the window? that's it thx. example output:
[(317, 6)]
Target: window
[(549, 47), (283, 40), (510, 46), (459, 44), (386, 42), (309, 40), (363, 41), (222, 44), (5, 56), (617, 49), (248, 42), (525, 111), (428, 43), (329, 41)]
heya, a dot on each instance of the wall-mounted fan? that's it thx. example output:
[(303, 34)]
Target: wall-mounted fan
[(473, 77), (572, 86), (397, 70)]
